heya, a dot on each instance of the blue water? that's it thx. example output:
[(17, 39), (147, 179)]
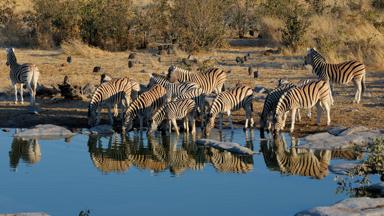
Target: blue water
[(63, 180)]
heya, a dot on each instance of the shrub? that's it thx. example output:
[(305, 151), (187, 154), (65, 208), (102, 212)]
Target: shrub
[(295, 28), (199, 23)]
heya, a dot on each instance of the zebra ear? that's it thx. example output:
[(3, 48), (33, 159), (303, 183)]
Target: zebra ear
[(308, 49), (314, 48), (13, 50)]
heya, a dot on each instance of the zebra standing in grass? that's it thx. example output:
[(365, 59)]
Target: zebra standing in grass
[(173, 89), (210, 81), (233, 99), (144, 106), (341, 73), (117, 92), (180, 109), (22, 74), (305, 96)]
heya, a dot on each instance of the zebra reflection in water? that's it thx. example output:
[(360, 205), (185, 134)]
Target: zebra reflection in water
[(162, 153), (294, 161), (27, 150)]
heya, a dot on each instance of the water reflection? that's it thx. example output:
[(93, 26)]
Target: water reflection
[(27, 150), (162, 153), (294, 161)]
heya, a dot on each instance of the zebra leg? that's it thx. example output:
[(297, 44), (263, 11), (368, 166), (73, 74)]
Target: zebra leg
[(298, 115), (15, 86), (221, 121), (169, 127), (192, 121), (230, 119), (358, 90), (21, 93), (293, 120), (309, 113), (174, 123), (328, 110), (186, 128), (284, 120), (319, 110), (141, 119)]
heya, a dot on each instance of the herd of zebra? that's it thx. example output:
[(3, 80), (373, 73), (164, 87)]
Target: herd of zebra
[(183, 94)]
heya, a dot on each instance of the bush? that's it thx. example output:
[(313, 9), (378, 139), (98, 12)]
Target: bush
[(199, 23), (295, 28)]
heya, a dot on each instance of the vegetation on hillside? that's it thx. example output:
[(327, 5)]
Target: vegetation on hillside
[(341, 30)]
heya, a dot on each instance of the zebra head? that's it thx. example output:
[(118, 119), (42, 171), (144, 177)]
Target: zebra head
[(153, 127), (308, 59), (210, 124), (171, 73), (10, 56)]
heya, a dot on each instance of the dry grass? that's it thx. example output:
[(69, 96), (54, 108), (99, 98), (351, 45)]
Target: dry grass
[(78, 48)]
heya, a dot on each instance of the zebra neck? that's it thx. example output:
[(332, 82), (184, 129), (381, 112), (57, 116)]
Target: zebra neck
[(160, 116)]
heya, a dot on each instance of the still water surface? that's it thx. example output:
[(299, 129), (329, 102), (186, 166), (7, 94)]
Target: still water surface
[(162, 176)]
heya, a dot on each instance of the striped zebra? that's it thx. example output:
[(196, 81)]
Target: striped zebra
[(27, 74), (210, 81), (225, 161), (198, 96), (273, 98), (173, 89), (305, 96), (233, 99), (172, 111), (115, 93), (341, 73), (143, 107), (27, 150)]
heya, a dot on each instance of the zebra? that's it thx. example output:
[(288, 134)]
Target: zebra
[(180, 109), (341, 73), (305, 96), (117, 92), (224, 161), (28, 150), (144, 106), (198, 96), (270, 104), (210, 81), (233, 99), (22, 74), (173, 89)]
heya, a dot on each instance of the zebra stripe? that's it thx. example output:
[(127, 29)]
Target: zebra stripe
[(198, 96), (27, 74), (341, 73), (173, 89), (305, 96), (233, 99), (224, 161), (210, 81), (27, 150), (117, 92), (144, 106), (180, 109)]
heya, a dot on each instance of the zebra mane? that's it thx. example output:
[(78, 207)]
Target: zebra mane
[(11, 55), (316, 54), (284, 97)]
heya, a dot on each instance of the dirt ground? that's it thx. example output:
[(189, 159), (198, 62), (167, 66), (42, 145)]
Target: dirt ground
[(53, 67)]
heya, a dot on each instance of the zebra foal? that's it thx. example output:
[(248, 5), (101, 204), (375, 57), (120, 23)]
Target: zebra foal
[(341, 73), (23, 74), (233, 99), (180, 109)]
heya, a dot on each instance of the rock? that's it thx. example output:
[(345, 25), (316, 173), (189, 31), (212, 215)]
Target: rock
[(88, 89), (96, 69), (45, 131), (348, 138), (26, 214), (343, 168), (132, 56), (239, 60), (336, 130), (228, 146), (352, 206), (69, 59), (130, 64), (101, 129), (5, 129)]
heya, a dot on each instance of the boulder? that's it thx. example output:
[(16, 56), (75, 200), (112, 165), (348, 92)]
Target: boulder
[(228, 146), (341, 138), (352, 206), (101, 129), (377, 189), (45, 131)]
